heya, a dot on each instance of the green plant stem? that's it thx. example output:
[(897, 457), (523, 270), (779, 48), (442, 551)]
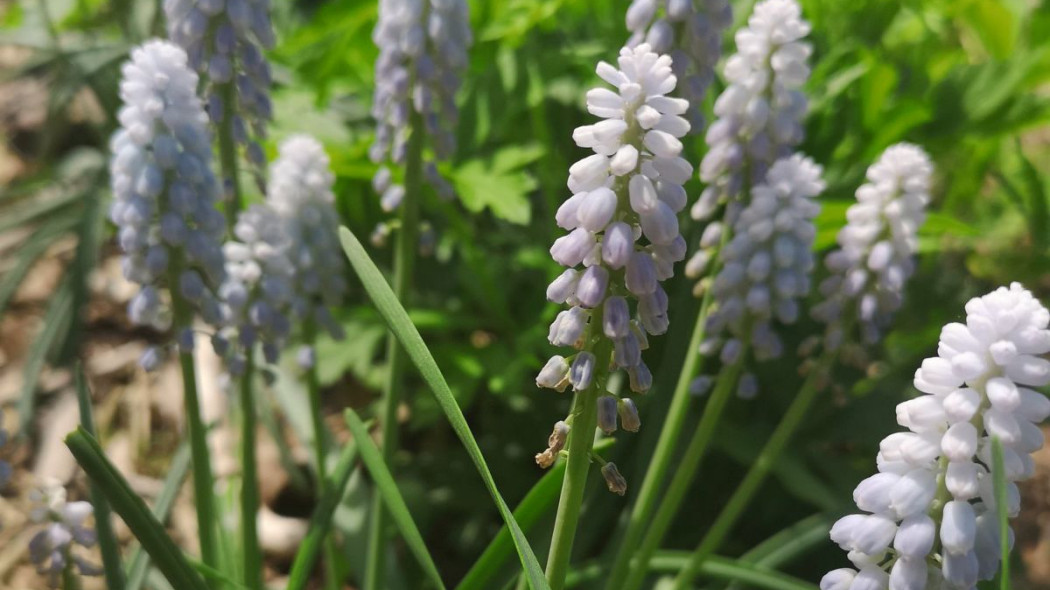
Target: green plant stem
[(687, 467), (70, 581), (670, 433), (313, 386), (203, 480), (581, 441), (251, 552), (760, 468), (231, 185), (404, 262)]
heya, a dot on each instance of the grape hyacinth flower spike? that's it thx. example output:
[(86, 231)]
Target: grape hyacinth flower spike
[(766, 266), (876, 247), (623, 226), (300, 191), (422, 55), (225, 41), (623, 240), (64, 526), (164, 194), (691, 32), (929, 515), (164, 197)]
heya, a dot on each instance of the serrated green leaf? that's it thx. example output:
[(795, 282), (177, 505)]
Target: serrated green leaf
[(499, 184)]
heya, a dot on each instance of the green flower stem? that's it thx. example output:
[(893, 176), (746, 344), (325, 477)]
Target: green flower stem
[(203, 480), (313, 386), (584, 417), (760, 468), (228, 155), (252, 554), (687, 467), (670, 433), (70, 581), (404, 262)]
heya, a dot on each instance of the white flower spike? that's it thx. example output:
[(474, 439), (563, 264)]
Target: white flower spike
[(929, 514)]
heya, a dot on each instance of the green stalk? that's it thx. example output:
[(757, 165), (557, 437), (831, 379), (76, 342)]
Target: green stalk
[(760, 467), (687, 467), (70, 581), (581, 441), (404, 262), (670, 433), (231, 185), (251, 552), (313, 386), (203, 480)]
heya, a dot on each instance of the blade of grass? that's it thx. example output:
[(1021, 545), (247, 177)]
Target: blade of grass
[(721, 568), (180, 466), (386, 487), (146, 528), (28, 253), (321, 521), (536, 504), (107, 540), (999, 488), (396, 317), (58, 311)]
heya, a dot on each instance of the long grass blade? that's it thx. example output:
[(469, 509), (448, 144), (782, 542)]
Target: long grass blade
[(321, 521), (395, 503), (180, 466), (107, 539), (58, 312), (146, 528), (400, 324)]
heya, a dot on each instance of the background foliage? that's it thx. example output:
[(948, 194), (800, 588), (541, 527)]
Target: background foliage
[(966, 79)]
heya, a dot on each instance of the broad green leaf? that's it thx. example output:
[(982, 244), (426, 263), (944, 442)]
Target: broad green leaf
[(995, 25), (395, 503), (499, 183), (392, 311), (107, 539), (146, 528)]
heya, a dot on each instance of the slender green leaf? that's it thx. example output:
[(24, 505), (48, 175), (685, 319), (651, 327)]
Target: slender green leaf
[(1001, 510), (395, 503), (146, 528), (180, 466), (394, 314), (721, 568), (790, 542), (534, 506), (28, 253), (1038, 213), (321, 521), (58, 312), (107, 540)]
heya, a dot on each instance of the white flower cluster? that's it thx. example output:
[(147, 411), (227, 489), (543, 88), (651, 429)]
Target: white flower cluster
[(259, 287), (164, 191), (760, 111), (767, 264), (874, 258), (623, 222), (224, 40), (691, 34), (422, 53), (64, 525), (930, 514), (300, 191)]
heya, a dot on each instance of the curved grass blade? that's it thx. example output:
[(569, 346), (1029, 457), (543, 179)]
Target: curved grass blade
[(58, 313), (146, 528), (723, 568), (400, 324), (107, 540), (537, 503), (138, 570), (321, 521), (395, 503)]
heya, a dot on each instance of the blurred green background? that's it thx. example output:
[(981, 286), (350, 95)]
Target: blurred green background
[(969, 80)]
